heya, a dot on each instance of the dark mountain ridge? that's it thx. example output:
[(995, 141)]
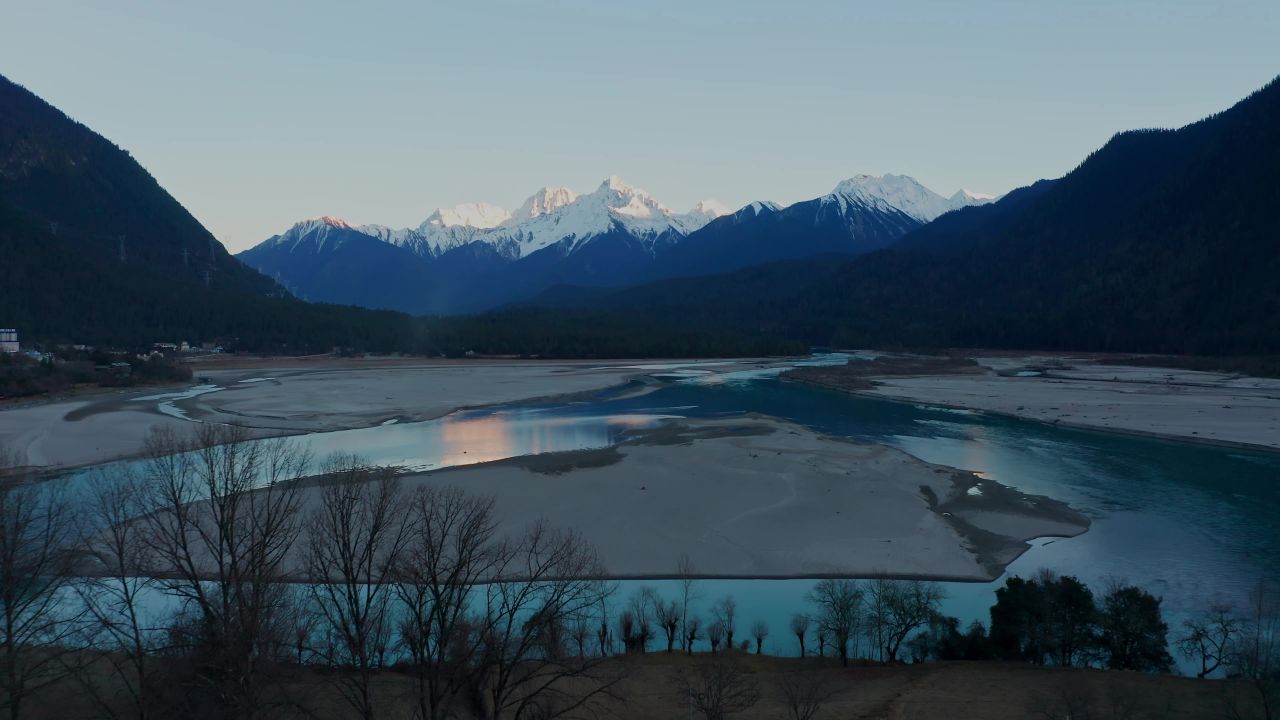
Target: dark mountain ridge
[(1161, 241), (81, 187)]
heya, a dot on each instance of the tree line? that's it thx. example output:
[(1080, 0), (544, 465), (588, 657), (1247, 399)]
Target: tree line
[(226, 577)]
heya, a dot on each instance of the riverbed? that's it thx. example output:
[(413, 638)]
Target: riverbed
[(1194, 524)]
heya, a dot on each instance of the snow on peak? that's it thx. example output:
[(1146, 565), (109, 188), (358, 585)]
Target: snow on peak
[(317, 223), (615, 183), (902, 193), (969, 197), (712, 209), (332, 221), (475, 215), (630, 202), (312, 234), (759, 206), (546, 200)]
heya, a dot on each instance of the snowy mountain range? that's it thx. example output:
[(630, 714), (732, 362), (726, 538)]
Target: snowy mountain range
[(478, 255), (549, 216)]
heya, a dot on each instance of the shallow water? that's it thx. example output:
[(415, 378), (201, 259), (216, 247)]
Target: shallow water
[(1193, 524)]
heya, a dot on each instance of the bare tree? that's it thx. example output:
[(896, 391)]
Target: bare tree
[(1256, 653), (839, 604), (692, 633), (903, 606), (627, 629), (876, 610), (1209, 637), (760, 631), (547, 577), (641, 609), (726, 613), (451, 550), (686, 575), (668, 618), (718, 688), (355, 536), (119, 626), (580, 633), (224, 515), (800, 628), (804, 693), (715, 634), (37, 533)]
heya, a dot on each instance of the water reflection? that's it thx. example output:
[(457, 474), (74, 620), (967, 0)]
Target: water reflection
[(468, 438)]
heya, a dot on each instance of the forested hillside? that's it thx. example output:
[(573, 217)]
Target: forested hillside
[(1161, 241)]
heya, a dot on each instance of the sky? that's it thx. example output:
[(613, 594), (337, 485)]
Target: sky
[(258, 114)]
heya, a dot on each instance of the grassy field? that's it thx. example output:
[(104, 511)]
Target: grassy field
[(653, 686)]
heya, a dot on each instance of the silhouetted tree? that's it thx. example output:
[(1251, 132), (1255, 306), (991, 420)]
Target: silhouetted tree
[(1132, 634), (355, 537), (800, 628), (119, 622), (726, 613), (715, 633), (760, 631), (903, 606), (224, 516), (668, 617), (838, 603), (1209, 637), (1019, 622), (37, 535), (1255, 655), (692, 632), (451, 550), (686, 575), (1070, 619)]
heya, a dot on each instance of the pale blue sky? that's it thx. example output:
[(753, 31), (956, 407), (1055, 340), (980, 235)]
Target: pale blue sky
[(256, 114)]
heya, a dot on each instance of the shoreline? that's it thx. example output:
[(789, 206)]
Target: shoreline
[(1067, 424), (295, 402), (1070, 391)]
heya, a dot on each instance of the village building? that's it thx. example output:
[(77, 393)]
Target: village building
[(8, 340)]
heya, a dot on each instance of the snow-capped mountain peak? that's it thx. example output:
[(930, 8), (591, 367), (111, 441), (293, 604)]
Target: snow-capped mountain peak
[(902, 193), (476, 215), (759, 206), (329, 220), (615, 184), (969, 197), (547, 200), (712, 209), (312, 234), (555, 215)]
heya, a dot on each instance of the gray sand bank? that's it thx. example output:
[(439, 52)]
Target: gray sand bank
[(759, 497)]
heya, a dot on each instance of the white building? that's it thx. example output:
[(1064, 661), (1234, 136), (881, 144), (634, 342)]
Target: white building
[(8, 340)]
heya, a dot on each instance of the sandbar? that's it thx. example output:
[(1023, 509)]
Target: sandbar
[(757, 497)]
